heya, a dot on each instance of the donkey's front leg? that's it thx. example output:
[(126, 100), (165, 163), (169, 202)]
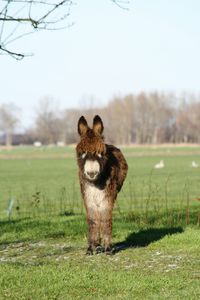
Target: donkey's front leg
[(106, 231), (93, 232)]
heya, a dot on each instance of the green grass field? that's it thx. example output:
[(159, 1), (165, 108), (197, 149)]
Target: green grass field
[(43, 233)]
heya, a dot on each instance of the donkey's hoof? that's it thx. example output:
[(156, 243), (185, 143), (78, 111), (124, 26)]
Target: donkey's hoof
[(89, 251), (99, 249), (108, 251)]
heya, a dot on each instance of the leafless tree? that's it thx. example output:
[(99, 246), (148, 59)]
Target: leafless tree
[(8, 121), (119, 114), (188, 122), (70, 117), (161, 117), (49, 122), (19, 18)]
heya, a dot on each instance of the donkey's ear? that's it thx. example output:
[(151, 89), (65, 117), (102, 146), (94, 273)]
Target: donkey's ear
[(82, 126), (97, 125)]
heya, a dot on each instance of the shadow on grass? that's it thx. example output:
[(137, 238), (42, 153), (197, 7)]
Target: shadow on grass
[(30, 229), (143, 238)]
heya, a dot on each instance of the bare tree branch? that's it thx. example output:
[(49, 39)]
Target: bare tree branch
[(15, 55), (27, 14), (123, 4), (19, 18)]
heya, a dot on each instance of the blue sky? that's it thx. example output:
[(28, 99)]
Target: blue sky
[(155, 45)]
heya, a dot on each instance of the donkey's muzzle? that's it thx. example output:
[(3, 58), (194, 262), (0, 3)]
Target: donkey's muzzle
[(91, 169)]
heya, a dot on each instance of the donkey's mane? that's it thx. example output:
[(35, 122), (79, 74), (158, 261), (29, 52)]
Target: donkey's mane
[(91, 143)]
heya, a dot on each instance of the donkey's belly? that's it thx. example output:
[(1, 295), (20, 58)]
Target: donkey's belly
[(96, 199)]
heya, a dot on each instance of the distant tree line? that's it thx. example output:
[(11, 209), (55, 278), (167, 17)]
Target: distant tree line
[(145, 118)]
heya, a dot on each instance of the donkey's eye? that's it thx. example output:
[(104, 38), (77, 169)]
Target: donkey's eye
[(99, 155), (83, 155)]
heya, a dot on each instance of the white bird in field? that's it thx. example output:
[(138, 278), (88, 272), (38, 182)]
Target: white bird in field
[(194, 164), (160, 165)]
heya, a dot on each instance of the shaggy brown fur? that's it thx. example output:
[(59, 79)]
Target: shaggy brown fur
[(100, 186)]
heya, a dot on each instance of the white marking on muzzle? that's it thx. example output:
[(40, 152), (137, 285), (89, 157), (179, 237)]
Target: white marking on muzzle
[(91, 169)]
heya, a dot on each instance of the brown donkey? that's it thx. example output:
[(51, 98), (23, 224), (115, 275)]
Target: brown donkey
[(102, 170)]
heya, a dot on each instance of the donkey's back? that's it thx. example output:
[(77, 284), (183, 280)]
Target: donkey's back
[(118, 166)]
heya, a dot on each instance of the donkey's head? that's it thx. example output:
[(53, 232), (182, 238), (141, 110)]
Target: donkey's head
[(91, 148)]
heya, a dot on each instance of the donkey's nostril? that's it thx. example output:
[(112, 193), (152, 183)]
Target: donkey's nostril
[(92, 174)]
